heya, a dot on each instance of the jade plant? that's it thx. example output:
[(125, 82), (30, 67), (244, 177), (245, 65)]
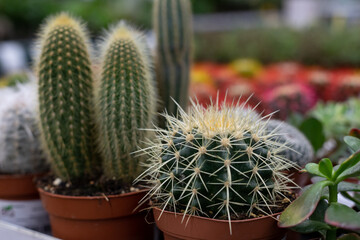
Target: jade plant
[(20, 148), (216, 163), (173, 29), (318, 209), (90, 123), (125, 100)]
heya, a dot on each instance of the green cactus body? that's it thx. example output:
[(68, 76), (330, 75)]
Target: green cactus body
[(173, 28), (217, 163), (125, 101), (20, 148), (65, 98)]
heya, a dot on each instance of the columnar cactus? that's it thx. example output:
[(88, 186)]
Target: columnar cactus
[(173, 29), (20, 148), (125, 100), (216, 163), (65, 97)]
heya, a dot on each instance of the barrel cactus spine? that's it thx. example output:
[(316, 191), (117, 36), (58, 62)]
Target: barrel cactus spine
[(65, 97), (216, 163), (173, 29), (125, 100)]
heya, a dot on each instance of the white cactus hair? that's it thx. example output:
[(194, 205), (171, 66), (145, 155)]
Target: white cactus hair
[(225, 126), (18, 128)]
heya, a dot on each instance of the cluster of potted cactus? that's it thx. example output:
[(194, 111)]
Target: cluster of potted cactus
[(90, 123), (289, 87), (220, 171)]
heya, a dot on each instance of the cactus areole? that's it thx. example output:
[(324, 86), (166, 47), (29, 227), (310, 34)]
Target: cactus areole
[(216, 163)]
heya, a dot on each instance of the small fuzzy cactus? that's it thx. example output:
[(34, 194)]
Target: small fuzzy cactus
[(20, 148), (216, 162), (300, 150), (173, 29), (125, 100), (65, 89)]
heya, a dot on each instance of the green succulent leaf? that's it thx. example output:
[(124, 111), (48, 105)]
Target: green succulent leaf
[(320, 210), (347, 186), (350, 236), (342, 216), (302, 208), (313, 168), (313, 130), (348, 168), (309, 226), (351, 198), (353, 143), (326, 168)]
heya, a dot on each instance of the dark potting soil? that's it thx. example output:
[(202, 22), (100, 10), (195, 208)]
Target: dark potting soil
[(282, 202), (100, 187)]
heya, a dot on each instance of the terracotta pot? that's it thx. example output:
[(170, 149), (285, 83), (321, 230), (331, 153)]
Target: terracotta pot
[(20, 202), (110, 217), (264, 228), (18, 187)]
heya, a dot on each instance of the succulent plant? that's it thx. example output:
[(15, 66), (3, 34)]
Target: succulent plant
[(289, 98), (125, 100), (337, 118), (300, 152), (20, 148), (12, 80), (173, 28), (65, 97), (216, 162)]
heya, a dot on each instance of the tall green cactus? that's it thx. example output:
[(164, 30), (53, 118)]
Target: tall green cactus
[(173, 28), (215, 163), (125, 100), (65, 97)]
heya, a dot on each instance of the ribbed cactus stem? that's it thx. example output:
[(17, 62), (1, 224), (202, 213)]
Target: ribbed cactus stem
[(173, 29), (125, 101), (65, 97), (217, 163)]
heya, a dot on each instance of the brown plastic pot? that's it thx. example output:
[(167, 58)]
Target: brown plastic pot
[(110, 217), (264, 228), (18, 187)]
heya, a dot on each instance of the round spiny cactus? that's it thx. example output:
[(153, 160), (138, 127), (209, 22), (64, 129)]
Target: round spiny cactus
[(125, 100), (65, 98), (301, 151), (215, 162)]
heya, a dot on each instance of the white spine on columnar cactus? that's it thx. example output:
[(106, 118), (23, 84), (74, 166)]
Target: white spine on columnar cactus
[(20, 148), (216, 162)]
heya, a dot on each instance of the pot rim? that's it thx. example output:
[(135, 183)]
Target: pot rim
[(274, 216), (55, 195), (20, 175)]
